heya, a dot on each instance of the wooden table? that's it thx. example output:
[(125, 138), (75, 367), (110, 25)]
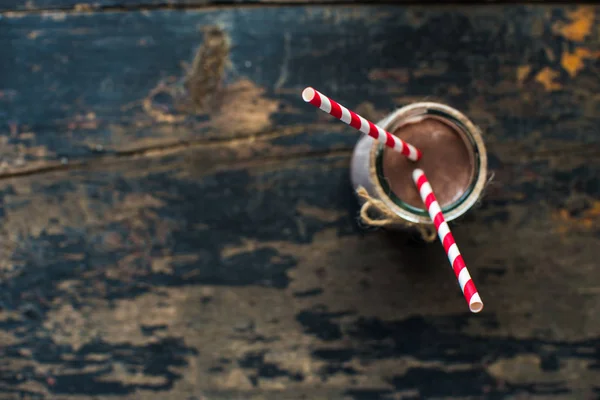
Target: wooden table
[(177, 224)]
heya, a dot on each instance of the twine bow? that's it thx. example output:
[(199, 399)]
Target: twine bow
[(386, 217)]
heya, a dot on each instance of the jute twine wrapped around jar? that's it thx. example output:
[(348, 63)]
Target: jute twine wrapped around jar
[(386, 217)]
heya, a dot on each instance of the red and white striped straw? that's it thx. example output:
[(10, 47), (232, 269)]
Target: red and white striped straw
[(351, 118), (456, 260)]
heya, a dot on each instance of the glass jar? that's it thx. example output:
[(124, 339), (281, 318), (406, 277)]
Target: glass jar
[(367, 170)]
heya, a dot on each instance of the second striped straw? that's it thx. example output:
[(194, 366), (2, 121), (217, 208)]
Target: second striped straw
[(351, 118), (443, 230)]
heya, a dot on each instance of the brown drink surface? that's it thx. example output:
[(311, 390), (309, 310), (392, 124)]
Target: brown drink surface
[(446, 162)]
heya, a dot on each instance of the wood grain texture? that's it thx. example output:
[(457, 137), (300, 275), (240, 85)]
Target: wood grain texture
[(116, 83), (96, 5), (190, 259)]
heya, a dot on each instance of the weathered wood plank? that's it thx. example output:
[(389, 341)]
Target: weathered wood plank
[(36, 5), (75, 86), (217, 272), (221, 268)]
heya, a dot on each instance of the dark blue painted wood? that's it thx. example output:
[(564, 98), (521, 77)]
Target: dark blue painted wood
[(74, 86), (35, 5), (217, 255)]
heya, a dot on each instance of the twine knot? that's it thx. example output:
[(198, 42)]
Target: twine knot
[(385, 217)]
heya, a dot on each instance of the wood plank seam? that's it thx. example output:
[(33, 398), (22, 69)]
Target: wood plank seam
[(160, 151)]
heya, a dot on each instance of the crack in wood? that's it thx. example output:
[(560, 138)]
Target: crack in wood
[(177, 147)]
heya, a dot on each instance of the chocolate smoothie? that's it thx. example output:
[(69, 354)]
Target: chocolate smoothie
[(446, 161)]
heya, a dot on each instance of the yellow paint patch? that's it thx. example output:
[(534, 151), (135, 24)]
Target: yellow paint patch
[(586, 221), (574, 62), (523, 72), (594, 211), (580, 25), (546, 77)]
